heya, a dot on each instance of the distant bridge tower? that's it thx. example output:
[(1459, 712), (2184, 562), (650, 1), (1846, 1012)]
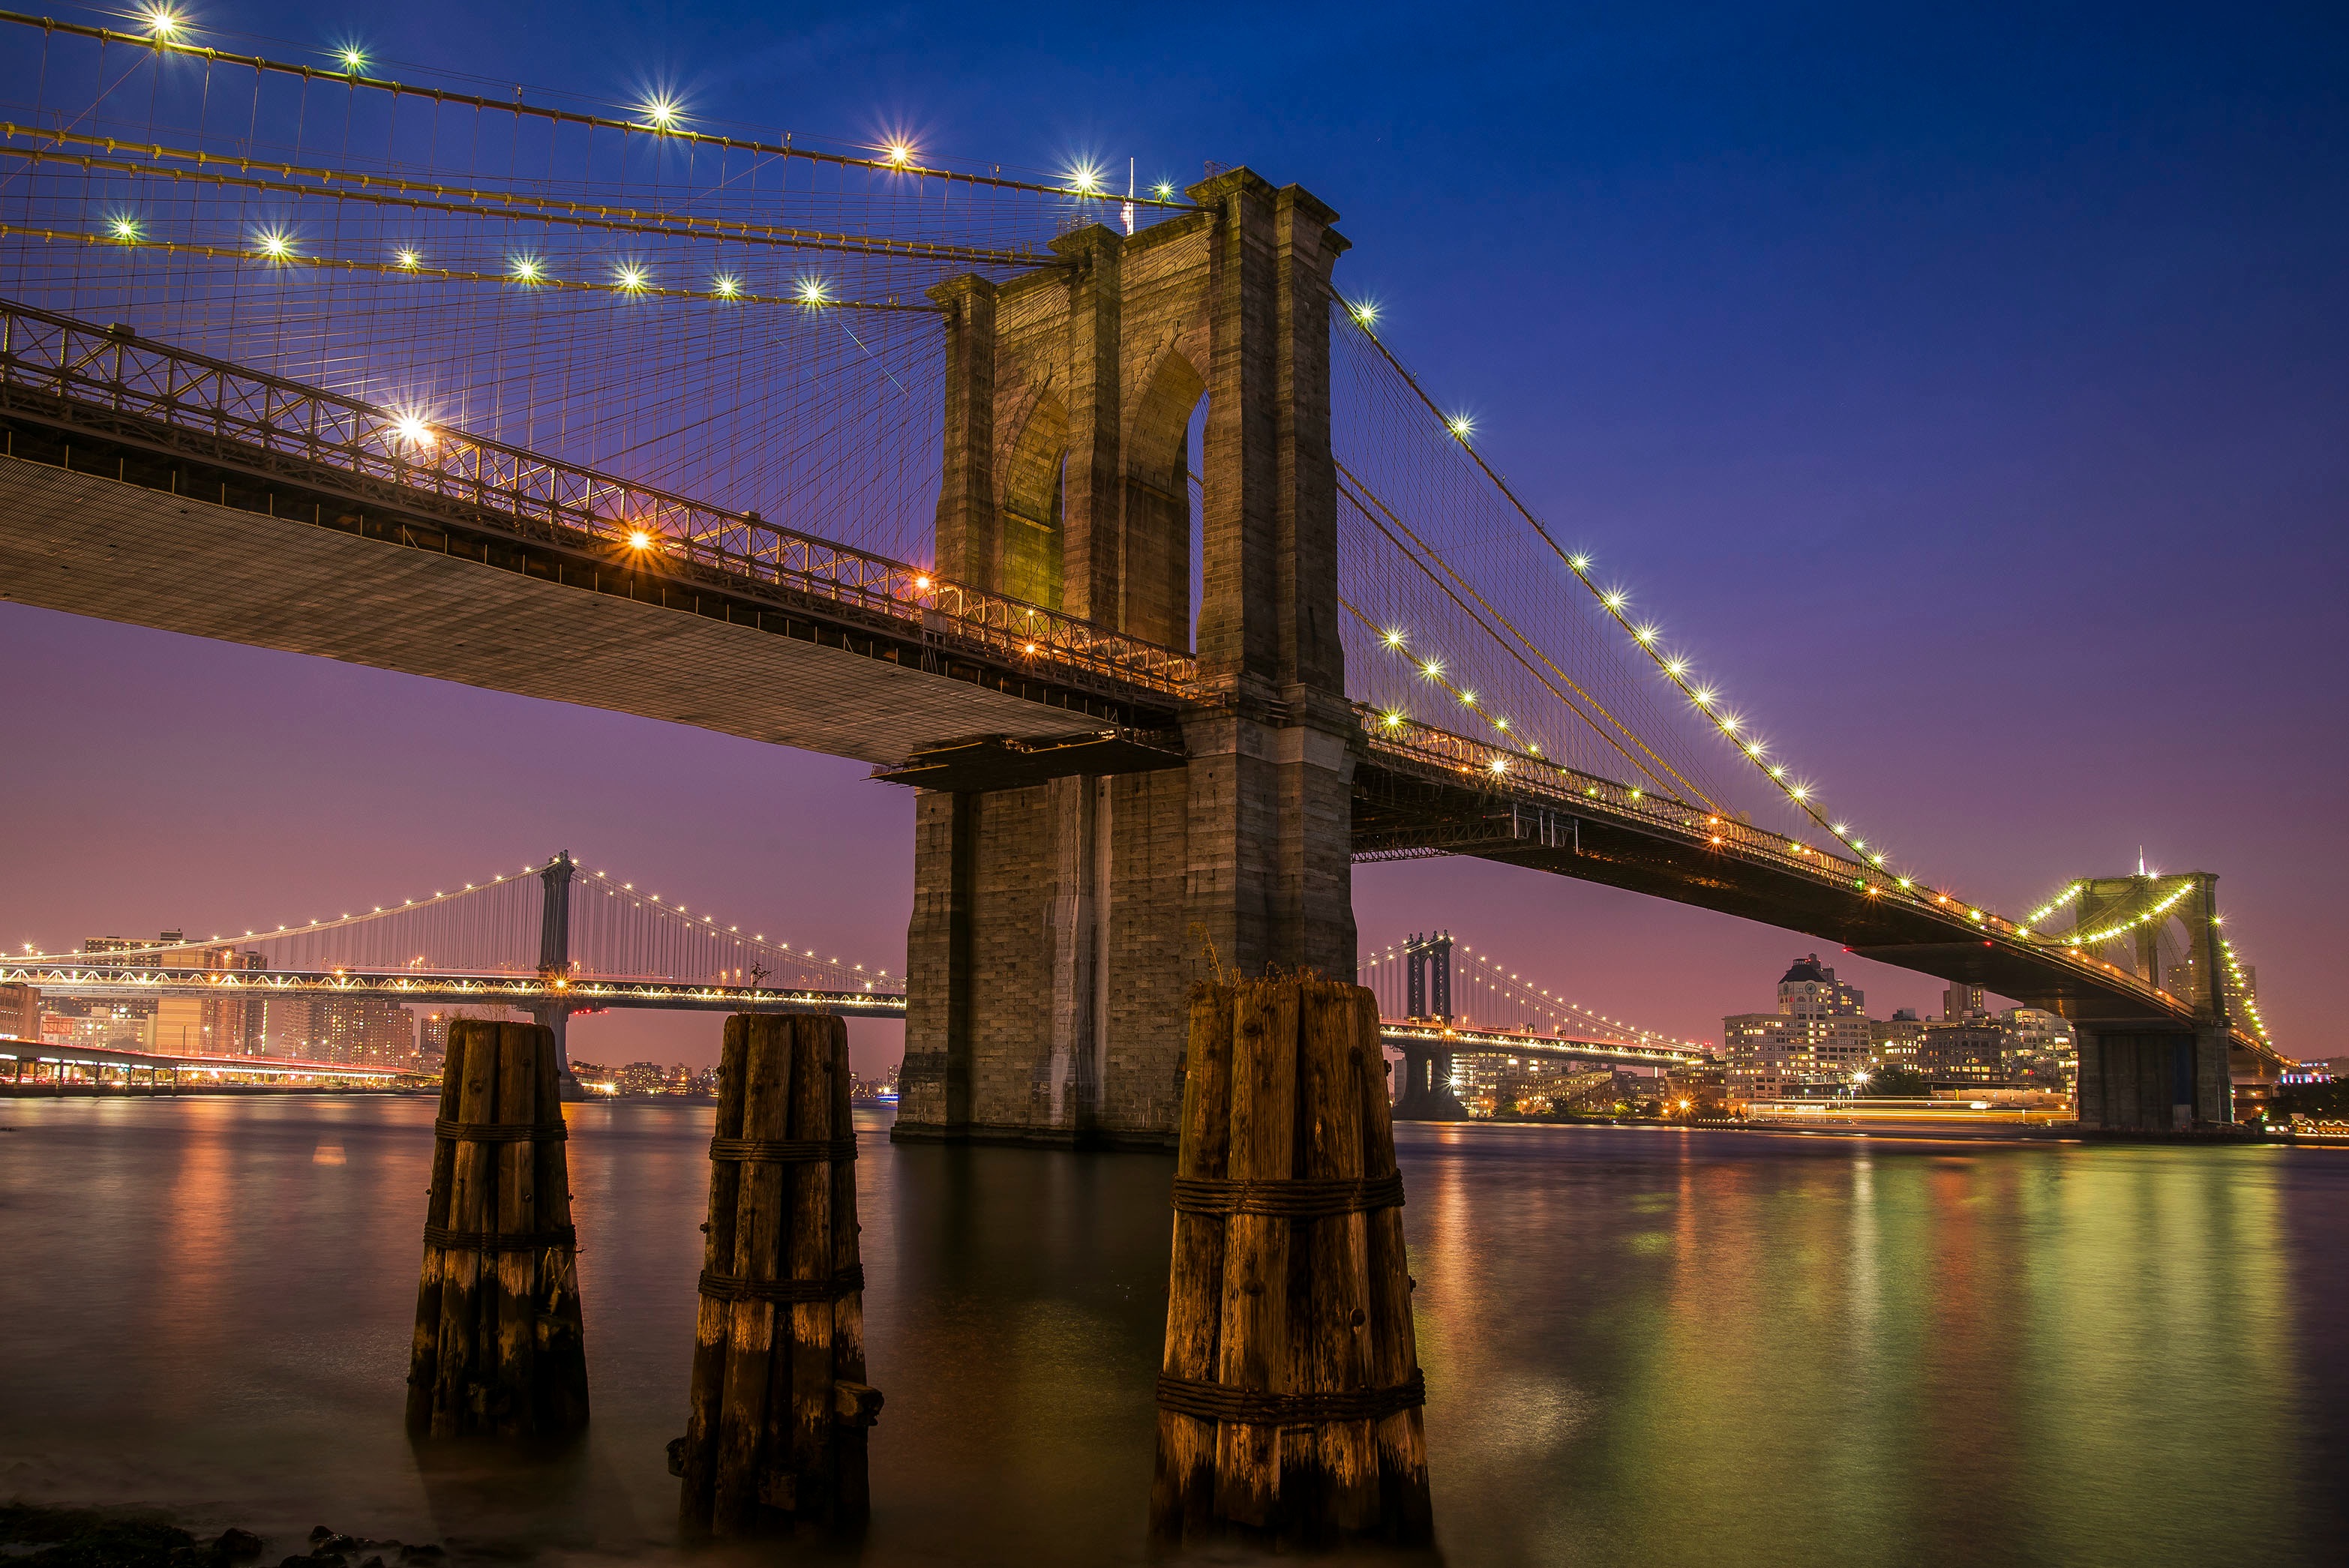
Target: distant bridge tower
[(1421, 955), (1065, 898), (1427, 1094), (2148, 1074), (554, 949)]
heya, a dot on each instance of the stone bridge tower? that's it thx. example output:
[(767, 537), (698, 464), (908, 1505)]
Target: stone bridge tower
[(1057, 925), (2142, 1078)]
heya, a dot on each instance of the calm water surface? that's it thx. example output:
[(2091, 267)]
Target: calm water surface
[(1641, 1347)]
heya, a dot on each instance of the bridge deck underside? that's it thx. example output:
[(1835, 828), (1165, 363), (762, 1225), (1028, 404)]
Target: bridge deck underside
[(92, 545)]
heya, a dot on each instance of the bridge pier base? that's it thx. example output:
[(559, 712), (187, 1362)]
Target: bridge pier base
[(1427, 1094), (2154, 1083)]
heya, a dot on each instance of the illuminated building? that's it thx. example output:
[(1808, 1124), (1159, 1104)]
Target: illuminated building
[(1963, 1052), (366, 1031), (1816, 1040), (20, 1012), (1893, 1042)]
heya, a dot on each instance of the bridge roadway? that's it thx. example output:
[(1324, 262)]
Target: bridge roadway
[(122, 981), (169, 489), (43, 1053)]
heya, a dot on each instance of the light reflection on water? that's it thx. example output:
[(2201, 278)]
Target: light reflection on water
[(1642, 1347)]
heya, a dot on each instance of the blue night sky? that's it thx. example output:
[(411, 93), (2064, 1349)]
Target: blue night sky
[(1966, 387)]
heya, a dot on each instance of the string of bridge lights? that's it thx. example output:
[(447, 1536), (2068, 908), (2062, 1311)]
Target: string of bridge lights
[(1704, 697), (167, 29), (1395, 953), (632, 281), (1645, 1036), (708, 925), (1646, 637), (308, 928), (2096, 938), (1433, 669), (2058, 902), (2078, 940), (2243, 990)]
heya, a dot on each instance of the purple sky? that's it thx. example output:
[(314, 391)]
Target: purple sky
[(1967, 391)]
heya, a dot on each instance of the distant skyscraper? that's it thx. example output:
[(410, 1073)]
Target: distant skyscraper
[(1960, 1001)]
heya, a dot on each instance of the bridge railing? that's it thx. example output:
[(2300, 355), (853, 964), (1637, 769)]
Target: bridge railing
[(1518, 774), (44, 353)]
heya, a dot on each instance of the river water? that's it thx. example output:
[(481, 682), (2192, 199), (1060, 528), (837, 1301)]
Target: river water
[(1642, 1347)]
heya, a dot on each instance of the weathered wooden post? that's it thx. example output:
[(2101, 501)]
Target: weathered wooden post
[(776, 1432), (499, 1347), (1289, 1395)]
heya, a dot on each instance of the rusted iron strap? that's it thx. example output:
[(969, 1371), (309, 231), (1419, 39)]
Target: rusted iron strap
[(783, 1151), (493, 1241), (501, 1131), (1307, 1198), (1255, 1408), (736, 1287)]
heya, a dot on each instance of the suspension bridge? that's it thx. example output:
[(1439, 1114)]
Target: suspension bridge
[(1104, 519), (554, 938)]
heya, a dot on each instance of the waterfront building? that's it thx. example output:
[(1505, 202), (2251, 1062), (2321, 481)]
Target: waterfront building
[(1817, 1039), (1971, 1052), (112, 1025), (193, 1025), (1536, 1086), (350, 1030), (20, 1012), (1892, 1042)]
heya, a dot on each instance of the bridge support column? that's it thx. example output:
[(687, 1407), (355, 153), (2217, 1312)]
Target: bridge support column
[(1057, 926), (1427, 1094), (2143, 1082)]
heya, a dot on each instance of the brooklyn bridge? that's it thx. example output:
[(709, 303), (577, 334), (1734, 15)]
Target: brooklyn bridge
[(1102, 517)]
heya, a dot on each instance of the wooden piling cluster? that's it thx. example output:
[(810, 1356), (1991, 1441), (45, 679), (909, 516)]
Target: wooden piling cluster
[(776, 1434), (499, 1347), (1289, 1395)]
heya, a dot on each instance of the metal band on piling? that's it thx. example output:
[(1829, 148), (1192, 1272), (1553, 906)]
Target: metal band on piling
[(1298, 1198), (496, 1242), (783, 1151), (1251, 1407), (735, 1287), (502, 1132)]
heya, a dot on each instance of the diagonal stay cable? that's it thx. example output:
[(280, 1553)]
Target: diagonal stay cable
[(1350, 479), (464, 200), (1800, 801), (516, 106), (450, 274)]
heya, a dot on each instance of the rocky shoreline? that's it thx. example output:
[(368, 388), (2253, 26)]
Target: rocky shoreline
[(34, 1537)]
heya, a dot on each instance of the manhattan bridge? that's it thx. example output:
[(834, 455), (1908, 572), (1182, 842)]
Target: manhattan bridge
[(1101, 516)]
